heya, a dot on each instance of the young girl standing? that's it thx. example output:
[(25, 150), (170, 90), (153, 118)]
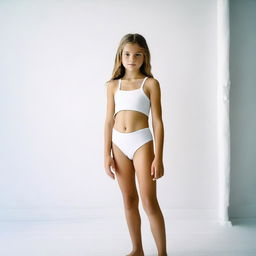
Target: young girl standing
[(131, 92)]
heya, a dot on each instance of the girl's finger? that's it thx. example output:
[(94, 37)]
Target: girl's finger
[(156, 175), (152, 170), (113, 165)]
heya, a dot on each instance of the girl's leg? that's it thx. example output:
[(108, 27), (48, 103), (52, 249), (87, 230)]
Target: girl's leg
[(142, 162), (125, 175)]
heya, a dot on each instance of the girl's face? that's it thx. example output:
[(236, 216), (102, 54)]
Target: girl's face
[(132, 56)]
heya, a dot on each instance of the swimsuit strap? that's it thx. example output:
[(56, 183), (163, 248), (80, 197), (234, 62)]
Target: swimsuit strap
[(143, 82), (119, 84)]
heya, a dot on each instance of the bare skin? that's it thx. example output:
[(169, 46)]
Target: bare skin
[(147, 165)]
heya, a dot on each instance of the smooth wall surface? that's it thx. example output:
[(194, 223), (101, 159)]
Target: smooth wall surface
[(55, 59), (243, 108)]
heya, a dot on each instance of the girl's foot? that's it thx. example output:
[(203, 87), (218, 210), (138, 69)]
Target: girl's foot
[(136, 253)]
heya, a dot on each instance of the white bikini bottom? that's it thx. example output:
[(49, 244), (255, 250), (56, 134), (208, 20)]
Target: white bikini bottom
[(129, 142)]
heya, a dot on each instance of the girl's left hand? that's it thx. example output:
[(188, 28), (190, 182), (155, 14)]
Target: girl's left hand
[(157, 168)]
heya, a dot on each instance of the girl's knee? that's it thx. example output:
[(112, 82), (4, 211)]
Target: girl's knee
[(150, 205), (131, 201)]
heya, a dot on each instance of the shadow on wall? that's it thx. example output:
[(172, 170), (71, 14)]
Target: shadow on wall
[(243, 109)]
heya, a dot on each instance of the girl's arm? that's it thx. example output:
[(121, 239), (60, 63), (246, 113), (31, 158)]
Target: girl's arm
[(157, 167), (109, 123), (157, 122)]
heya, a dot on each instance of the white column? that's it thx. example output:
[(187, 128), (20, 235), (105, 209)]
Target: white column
[(223, 40)]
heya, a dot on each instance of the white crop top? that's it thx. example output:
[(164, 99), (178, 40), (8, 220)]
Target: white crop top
[(135, 100)]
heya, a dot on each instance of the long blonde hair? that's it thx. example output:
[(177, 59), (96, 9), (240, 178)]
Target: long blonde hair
[(119, 70)]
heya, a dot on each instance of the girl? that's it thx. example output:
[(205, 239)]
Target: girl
[(131, 92)]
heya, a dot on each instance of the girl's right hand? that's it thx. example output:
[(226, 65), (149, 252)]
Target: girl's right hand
[(109, 162)]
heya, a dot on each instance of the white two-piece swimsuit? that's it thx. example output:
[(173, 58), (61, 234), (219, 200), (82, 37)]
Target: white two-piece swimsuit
[(135, 100)]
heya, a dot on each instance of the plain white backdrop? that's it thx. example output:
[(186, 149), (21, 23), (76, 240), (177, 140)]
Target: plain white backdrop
[(55, 58)]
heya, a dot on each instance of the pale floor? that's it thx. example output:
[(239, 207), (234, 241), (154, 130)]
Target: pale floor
[(99, 237)]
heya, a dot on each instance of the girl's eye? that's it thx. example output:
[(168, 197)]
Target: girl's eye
[(138, 54)]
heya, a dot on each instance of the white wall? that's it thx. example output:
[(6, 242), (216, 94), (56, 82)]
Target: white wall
[(55, 59), (243, 108)]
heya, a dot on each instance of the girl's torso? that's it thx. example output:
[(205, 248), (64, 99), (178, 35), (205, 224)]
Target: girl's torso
[(131, 95)]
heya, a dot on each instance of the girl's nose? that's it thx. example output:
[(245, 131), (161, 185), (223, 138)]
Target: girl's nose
[(132, 57)]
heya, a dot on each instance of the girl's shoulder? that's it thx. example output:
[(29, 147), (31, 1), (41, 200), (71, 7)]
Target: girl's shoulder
[(112, 84), (152, 82)]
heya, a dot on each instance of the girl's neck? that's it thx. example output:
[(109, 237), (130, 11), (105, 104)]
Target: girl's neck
[(132, 76)]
